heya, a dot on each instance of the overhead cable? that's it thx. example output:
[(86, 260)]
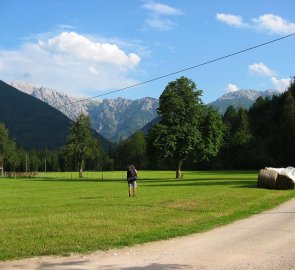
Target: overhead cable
[(182, 70)]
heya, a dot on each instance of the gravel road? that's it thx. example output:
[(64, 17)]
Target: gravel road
[(263, 241)]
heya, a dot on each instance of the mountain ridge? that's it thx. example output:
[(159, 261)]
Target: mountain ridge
[(112, 118), (241, 98), (33, 123), (119, 118)]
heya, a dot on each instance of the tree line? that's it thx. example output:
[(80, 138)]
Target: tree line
[(188, 135)]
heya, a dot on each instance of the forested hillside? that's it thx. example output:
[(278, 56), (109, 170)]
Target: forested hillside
[(32, 123)]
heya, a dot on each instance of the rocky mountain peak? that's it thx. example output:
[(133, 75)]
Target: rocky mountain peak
[(241, 98), (247, 93), (112, 118), (68, 105)]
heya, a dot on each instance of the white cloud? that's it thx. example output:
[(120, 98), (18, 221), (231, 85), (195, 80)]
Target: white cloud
[(261, 69), (161, 9), (281, 84), (274, 24), (93, 70), (69, 61), (73, 44), (157, 16), (159, 24), (232, 88), (232, 20), (270, 23), (2, 66)]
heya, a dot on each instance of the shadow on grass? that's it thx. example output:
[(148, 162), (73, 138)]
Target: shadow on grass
[(205, 182), (230, 179), (77, 180)]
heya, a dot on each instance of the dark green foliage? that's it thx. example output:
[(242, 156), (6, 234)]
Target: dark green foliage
[(212, 130), (273, 127), (237, 140), (263, 136), (131, 151), (8, 157), (177, 133), (286, 133), (186, 126), (81, 144)]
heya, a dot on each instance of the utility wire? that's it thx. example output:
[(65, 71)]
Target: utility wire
[(182, 70)]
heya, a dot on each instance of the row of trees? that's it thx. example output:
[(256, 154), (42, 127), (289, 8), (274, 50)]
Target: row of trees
[(188, 134), (81, 151), (194, 136)]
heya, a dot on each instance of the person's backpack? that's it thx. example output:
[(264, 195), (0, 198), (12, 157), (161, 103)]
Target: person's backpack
[(133, 173)]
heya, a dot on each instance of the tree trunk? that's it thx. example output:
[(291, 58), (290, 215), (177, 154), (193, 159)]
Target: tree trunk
[(178, 169), (80, 169)]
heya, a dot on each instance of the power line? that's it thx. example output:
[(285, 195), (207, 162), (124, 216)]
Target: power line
[(182, 70)]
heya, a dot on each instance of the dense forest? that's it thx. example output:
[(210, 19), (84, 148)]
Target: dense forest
[(251, 139)]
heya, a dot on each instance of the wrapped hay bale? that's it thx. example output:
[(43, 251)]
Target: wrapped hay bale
[(267, 179), (279, 178), (284, 182), (286, 179)]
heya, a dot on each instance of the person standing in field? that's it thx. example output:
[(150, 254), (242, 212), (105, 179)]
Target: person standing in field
[(131, 179)]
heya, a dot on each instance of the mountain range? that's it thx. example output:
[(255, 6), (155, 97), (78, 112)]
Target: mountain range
[(32, 123), (119, 118), (112, 118)]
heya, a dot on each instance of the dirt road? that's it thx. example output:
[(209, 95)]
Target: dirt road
[(263, 241)]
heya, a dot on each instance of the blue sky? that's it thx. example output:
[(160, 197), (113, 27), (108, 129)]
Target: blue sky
[(89, 47)]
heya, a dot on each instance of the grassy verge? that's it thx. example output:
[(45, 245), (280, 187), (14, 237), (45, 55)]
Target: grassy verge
[(57, 214)]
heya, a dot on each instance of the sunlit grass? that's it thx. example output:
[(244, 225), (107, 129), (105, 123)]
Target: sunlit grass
[(58, 213)]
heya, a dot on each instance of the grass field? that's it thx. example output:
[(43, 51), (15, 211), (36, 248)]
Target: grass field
[(57, 214)]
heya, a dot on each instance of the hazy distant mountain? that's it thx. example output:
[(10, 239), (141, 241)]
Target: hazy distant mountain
[(120, 118), (240, 98), (112, 118)]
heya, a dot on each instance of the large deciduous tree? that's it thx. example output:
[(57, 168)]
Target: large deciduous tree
[(181, 130), (80, 142)]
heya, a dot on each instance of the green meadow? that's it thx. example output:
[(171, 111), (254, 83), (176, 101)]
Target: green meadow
[(60, 214)]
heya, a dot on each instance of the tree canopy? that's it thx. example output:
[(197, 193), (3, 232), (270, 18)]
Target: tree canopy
[(181, 130), (80, 143)]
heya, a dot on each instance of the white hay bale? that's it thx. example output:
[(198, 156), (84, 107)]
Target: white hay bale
[(279, 178), (267, 179)]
